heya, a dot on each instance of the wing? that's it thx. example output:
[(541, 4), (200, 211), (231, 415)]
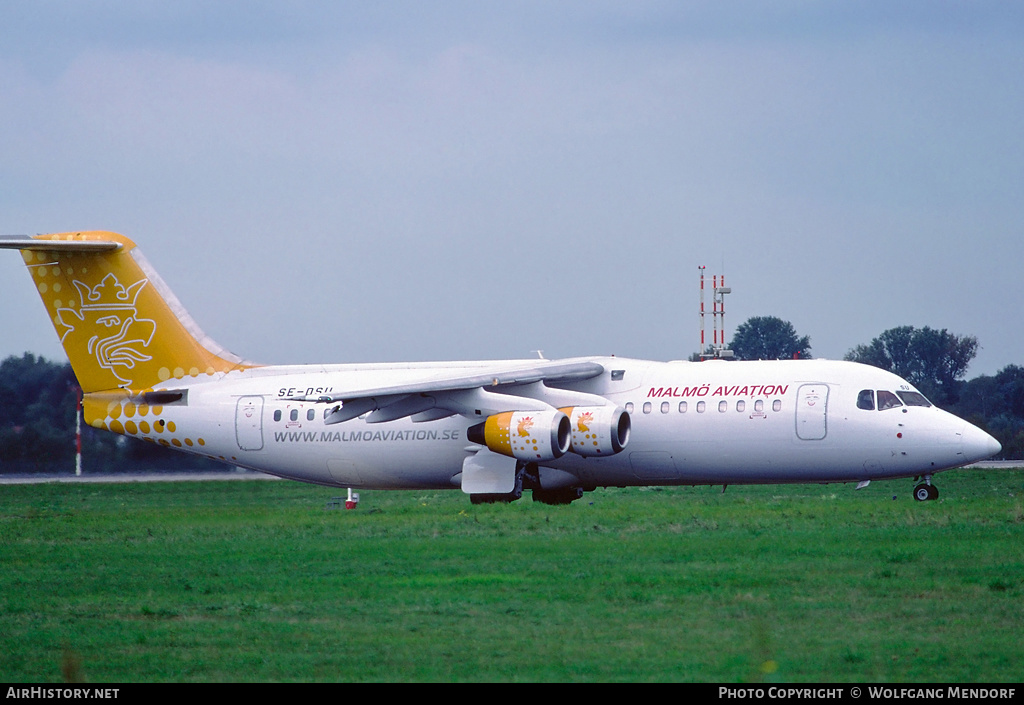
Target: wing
[(508, 386)]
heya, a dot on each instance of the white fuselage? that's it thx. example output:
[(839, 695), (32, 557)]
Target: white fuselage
[(692, 423), (491, 428)]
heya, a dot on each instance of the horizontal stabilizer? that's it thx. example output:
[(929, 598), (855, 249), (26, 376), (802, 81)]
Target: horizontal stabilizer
[(20, 242)]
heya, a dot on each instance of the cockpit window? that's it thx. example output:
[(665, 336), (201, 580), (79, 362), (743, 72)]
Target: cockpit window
[(914, 399), (887, 400), (866, 400)]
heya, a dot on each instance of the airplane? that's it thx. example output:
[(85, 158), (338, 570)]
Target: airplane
[(493, 429)]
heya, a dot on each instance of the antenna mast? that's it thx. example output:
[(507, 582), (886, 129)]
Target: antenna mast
[(718, 291)]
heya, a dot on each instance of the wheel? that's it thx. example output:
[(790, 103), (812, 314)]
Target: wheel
[(507, 498), (925, 492), (565, 495)]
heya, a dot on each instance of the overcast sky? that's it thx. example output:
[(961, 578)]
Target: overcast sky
[(360, 181)]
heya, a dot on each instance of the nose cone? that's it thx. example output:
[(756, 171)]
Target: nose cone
[(978, 445)]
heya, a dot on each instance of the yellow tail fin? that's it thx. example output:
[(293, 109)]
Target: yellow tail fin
[(120, 325)]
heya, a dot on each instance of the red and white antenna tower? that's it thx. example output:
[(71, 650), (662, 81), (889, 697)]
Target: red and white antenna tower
[(718, 292)]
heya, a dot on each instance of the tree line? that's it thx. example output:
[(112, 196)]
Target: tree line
[(37, 427)]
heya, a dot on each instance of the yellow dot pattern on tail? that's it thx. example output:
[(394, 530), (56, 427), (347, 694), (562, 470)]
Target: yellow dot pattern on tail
[(120, 325)]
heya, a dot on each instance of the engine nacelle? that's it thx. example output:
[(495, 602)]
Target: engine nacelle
[(598, 430), (533, 436)]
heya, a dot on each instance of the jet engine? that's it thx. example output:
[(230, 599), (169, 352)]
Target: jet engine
[(525, 435), (598, 430)]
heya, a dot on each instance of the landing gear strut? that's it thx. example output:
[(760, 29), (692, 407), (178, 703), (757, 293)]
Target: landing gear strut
[(562, 495), (926, 491)]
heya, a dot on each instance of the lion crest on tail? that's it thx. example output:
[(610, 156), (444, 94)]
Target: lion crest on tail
[(107, 326)]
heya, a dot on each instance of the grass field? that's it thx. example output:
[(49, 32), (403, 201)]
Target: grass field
[(258, 581)]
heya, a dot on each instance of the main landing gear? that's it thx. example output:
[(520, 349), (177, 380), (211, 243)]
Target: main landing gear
[(528, 477), (926, 491)]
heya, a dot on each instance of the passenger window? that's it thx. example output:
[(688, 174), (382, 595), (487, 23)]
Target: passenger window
[(682, 407), (741, 405), (277, 415), (700, 407), (647, 407), (888, 400), (777, 405), (310, 415), (759, 405), (665, 406), (866, 400), (294, 415), (723, 406), (629, 407)]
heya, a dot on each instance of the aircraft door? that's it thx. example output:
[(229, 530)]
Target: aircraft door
[(249, 423), (812, 412)]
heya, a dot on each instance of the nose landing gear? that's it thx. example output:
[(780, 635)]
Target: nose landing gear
[(926, 491)]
